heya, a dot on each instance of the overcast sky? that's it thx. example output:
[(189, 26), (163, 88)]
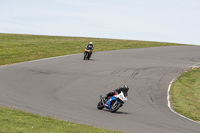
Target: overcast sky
[(150, 20)]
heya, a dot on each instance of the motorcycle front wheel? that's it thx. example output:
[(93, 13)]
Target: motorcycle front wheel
[(100, 105), (85, 56), (88, 56)]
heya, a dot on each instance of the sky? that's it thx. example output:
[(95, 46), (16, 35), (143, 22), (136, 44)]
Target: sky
[(176, 21)]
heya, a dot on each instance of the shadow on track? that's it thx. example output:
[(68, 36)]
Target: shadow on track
[(118, 112)]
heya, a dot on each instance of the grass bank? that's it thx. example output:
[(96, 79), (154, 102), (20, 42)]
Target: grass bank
[(185, 94), (16, 48), (15, 121)]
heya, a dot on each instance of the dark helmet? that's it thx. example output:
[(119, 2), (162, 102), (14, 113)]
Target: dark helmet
[(125, 88)]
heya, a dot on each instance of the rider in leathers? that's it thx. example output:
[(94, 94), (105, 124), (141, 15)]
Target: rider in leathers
[(91, 47), (125, 89)]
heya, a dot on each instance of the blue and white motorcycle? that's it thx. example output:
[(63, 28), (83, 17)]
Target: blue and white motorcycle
[(113, 103)]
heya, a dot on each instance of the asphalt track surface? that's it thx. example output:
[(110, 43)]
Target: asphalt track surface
[(69, 87)]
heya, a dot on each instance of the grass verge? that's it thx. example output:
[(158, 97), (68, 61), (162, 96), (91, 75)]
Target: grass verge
[(15, 121), (16, 48), (185, 94)]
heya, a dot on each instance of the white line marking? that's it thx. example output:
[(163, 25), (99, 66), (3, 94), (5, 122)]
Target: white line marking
[(169, 104)]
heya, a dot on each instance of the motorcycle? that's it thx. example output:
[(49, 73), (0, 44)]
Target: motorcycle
[(117, 101), (87, 53)]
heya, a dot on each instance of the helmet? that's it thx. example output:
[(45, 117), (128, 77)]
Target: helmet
[(90, 43), (125, 88)]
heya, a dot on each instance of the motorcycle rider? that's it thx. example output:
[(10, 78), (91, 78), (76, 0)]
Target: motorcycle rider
[(123, 89), (90, 46)]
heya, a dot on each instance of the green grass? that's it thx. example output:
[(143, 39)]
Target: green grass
[(185, 94), (16, 48), (15, 121)]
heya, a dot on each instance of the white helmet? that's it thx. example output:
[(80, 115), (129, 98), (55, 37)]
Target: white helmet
[(90, 43)]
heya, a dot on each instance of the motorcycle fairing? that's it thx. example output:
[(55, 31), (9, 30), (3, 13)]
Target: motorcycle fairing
[(109, 101)]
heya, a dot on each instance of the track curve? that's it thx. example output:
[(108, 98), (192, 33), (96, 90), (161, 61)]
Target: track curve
[(69, 87)]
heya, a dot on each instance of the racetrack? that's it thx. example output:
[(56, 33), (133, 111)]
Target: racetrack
[(69, 87)]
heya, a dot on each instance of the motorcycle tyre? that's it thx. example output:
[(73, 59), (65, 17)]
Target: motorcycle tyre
[(116, 108), (100, 105), (88, 57), (85, 55)]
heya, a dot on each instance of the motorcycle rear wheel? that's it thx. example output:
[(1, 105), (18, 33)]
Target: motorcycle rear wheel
[(115, 108)]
